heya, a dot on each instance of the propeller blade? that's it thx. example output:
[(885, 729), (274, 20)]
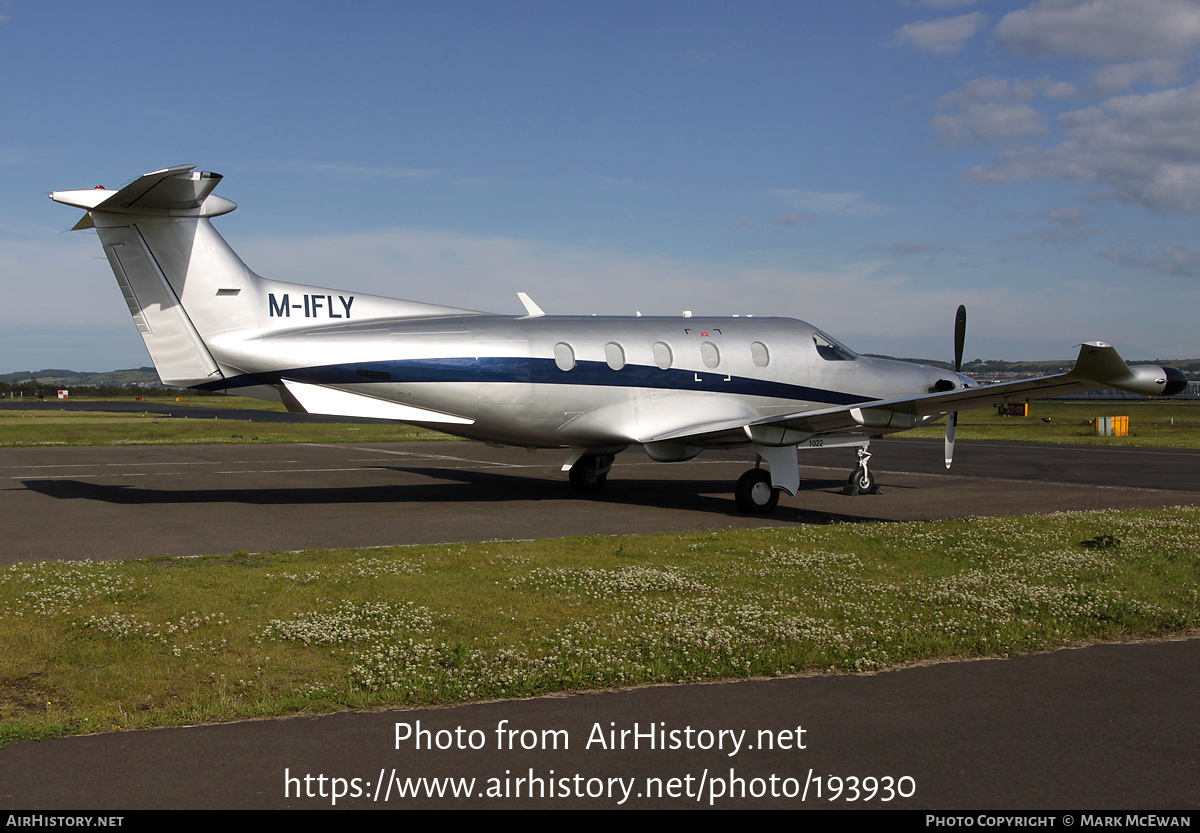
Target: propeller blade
[(951, 429), (960, 336)]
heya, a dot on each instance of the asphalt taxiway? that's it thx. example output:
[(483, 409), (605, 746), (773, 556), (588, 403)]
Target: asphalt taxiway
[(129, 502)]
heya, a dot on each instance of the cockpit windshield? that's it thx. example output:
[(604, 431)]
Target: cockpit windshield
[(830, 350)]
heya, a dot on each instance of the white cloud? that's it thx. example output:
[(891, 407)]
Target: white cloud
[(368, 171), (77, 306), (796, 218), (992, 108), (445, 267), (1063, 215), (947, 4), (1115, 78), (1142, 149), (823, 202), (904, 249), (1102, 30), (705, 57), (1170, 260), (1067, 225), (60, 280), (944, 36), (987, 120)]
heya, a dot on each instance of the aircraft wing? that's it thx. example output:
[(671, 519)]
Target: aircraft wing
[(1098, 366)]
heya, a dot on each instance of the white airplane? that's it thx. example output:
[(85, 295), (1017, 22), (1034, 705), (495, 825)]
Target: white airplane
[(592, 384)]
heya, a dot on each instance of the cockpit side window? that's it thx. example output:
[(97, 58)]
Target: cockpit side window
[(831, 351)]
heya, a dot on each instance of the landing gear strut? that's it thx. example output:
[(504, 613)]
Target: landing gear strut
[(861, 481), (590, 472), (754, 492)]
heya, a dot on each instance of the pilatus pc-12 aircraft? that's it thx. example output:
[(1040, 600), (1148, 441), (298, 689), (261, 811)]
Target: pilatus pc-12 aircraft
[(592, 384)]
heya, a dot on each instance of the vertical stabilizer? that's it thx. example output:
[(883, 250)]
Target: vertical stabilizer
[(146, 227)]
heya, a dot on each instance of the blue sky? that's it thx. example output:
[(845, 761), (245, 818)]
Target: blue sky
[(866, 166)]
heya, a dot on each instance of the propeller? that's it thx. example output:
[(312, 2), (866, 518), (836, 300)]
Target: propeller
[(960, 336)]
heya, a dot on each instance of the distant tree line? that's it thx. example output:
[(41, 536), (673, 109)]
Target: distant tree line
[(30, 388)]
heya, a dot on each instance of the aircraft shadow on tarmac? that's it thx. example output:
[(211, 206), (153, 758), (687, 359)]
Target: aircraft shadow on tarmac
[(468, 487)]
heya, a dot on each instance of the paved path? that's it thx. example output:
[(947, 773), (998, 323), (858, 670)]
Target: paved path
[(1106, 727)]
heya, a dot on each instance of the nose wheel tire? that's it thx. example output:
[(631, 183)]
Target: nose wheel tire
[(754, 492), (861, 482)]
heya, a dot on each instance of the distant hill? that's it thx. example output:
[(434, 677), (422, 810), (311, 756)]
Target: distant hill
[(59, 378)]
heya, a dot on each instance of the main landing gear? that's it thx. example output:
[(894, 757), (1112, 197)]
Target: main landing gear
[(754, 492), (590, 472)]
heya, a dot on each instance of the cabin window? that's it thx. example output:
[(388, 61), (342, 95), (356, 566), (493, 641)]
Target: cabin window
[(831, 351), (710, 354), (760, 354), (662, 354), (564, 356), (614, 354)]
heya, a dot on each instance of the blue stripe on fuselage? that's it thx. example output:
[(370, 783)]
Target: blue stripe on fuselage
[(542, 372)]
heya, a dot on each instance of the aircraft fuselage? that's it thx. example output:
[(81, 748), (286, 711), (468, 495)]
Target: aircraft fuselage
[(579, 381)]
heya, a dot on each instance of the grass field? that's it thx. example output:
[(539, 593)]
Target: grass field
[(45, 425), (1156, 424), (1152, 424), (104, 646)]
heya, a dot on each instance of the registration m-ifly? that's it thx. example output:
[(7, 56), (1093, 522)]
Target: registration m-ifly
[(591, 385)]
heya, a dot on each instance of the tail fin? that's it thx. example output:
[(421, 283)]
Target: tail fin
[(194, 301), (155, 232)]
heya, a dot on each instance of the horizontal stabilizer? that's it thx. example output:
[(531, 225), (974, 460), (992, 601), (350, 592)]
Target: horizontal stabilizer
[(181, 191), (332, 402)]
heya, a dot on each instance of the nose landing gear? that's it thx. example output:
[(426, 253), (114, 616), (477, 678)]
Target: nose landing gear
[(861, 481)]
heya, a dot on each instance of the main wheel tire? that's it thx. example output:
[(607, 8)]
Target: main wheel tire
[(585, 475), (754, 492)]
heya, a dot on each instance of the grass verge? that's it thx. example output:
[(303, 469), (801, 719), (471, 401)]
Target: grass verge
[(1152, 424), (50, 426), (1155, 424), (105, 646)]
